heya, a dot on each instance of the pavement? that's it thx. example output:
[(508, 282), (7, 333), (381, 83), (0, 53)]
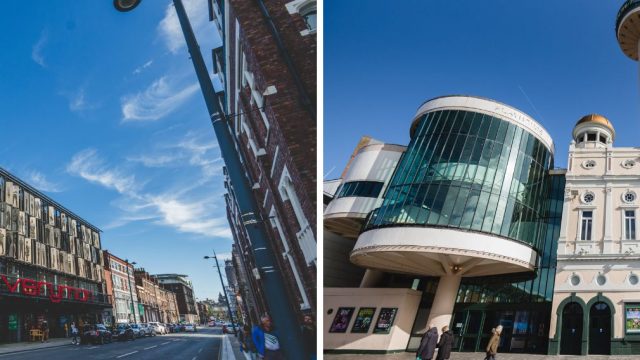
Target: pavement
[(207, 343), (479, 356)]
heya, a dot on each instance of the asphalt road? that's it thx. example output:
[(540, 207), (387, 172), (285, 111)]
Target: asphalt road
[(205, 344)]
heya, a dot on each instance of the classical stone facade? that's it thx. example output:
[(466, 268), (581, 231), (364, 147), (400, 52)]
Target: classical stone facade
[(596, 303)]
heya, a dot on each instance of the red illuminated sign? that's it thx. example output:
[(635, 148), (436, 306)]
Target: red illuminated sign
[(55, 293)]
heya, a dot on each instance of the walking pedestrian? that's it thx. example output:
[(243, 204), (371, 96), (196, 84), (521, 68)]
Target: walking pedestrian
[(266, 340), (428, 344), (309, 337), (246, 343), (445, 343), (74, 333), (45, 331), (494, 342)]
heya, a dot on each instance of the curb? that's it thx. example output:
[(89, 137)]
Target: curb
[(227, 351), (28, 350)]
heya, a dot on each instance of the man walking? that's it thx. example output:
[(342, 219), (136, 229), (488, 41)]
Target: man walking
[(266, 340), (492, 347), (428, 344), (74, 333), (309, 337)]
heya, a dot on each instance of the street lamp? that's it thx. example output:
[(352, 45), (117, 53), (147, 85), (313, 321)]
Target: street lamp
[(272, 281), (233, 324), (125, 5), (133, 309)]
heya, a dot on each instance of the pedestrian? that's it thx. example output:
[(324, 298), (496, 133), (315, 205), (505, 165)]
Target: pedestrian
[(45, 331), (246, 343), (428, 344), (493, 331), (74, 333), (492, 347), (445, 343), (309, 337), (266, 340)]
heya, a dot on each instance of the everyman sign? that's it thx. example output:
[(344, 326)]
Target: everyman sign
[(55, 293)]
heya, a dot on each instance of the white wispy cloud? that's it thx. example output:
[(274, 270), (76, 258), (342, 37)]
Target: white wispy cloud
[(181, 206), (40, 182), (169, 27), (36, 51), (139, 69), (161, 98), (90, 166), (192, 217), (78, 101), (192, 149)]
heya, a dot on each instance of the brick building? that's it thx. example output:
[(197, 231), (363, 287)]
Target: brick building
[(122, 285), (183, 289), (268, 71), (147, 289)]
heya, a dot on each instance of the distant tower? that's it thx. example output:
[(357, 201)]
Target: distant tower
[(628, 28)]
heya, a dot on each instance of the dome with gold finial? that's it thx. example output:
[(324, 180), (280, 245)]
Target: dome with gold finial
[(594, 128)]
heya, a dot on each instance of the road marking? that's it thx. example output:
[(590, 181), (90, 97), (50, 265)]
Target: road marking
[(93, 347), (194, 358), (150, 347), (199, 351), (165, 343), (127, 354)]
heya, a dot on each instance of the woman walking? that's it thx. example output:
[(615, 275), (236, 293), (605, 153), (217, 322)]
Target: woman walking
[(445, 343)]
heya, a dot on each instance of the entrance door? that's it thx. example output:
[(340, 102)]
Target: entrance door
[(600, 329), (571, 335)]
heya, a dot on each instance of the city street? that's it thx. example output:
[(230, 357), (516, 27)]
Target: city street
[(204, 344)]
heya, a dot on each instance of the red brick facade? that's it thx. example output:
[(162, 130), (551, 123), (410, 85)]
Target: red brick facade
[(275, 131)]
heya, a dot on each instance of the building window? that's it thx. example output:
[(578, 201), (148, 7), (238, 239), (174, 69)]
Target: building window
[(575, 280), (589, 164), (601, 280), (629, 224), (633, 279), (360, 189), (587, 224), (629, 197), (309, 14), (308, 10), (588, 197)]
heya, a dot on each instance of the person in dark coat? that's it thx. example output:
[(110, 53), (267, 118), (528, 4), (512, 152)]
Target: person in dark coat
[(445, 344), (428, 344)]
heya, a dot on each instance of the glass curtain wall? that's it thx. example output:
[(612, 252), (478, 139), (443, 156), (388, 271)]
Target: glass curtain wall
[(469, 171)]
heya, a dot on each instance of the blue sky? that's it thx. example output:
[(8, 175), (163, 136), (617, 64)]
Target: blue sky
[(554, 60), (102, 112)]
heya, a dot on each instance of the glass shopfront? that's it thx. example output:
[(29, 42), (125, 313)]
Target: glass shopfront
[(470, 171), (521, 306)]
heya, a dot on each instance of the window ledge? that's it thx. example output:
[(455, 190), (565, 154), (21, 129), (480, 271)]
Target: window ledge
[(306, 32)]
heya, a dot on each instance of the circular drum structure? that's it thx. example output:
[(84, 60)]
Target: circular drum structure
[(468, 198), (628, 28)]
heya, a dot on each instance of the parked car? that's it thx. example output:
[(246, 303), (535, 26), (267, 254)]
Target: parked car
[(148, 330), (95, 334), (190, 328), (138, 331), (124, 332), (171, 328), (158, 327), (227, 328)]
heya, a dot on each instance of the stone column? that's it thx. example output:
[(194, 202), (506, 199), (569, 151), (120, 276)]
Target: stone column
[(371, 278), (444, 301)]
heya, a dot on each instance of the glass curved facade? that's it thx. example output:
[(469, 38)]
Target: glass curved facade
[(471, 171)]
